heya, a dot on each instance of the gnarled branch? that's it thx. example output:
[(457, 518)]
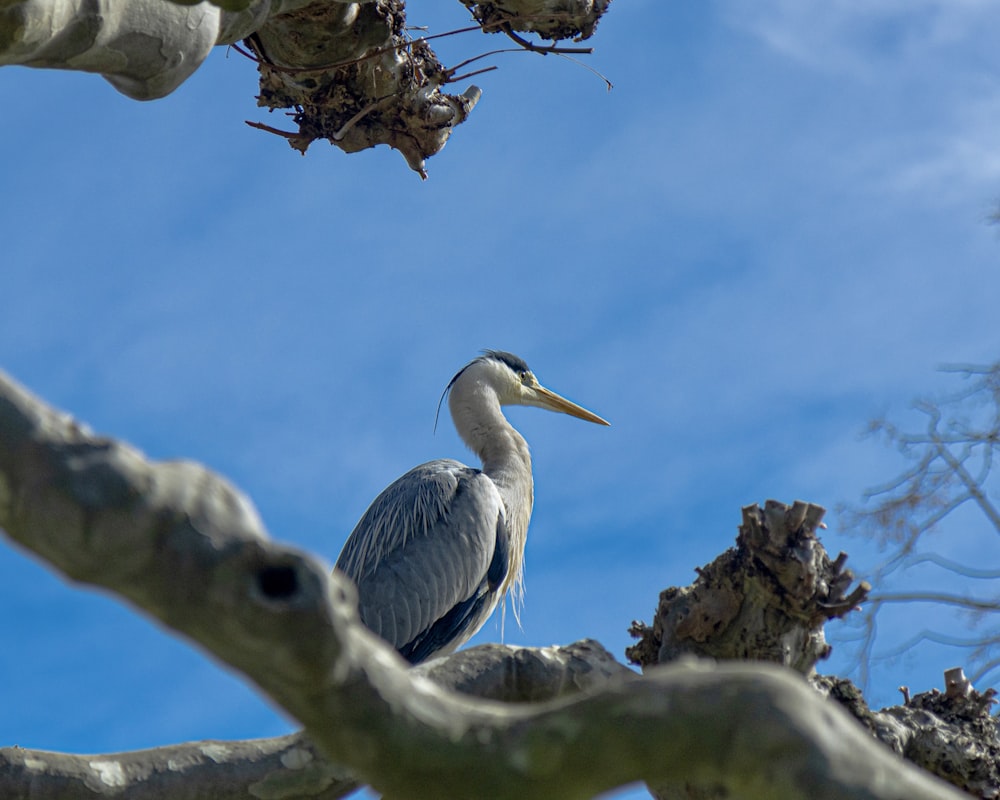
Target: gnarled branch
[(290, 767), (348, 72)]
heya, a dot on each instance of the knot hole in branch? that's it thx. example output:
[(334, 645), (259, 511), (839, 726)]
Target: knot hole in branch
[(278, 582)]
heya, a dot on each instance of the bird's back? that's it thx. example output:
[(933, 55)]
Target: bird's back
[(429, 558)]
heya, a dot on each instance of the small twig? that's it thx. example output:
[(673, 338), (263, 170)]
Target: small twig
[(541, 49), (448, 33), (246, 53), (467, 75), (368, 56), (927, 636), (450, 77), (958, 469), (604, 78), (953, 566), (262, 127), (847, 604), (984, 670), (364, 112), (942, 598), (337, 136)]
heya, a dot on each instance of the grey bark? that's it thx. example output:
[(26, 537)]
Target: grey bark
[(291, 767), (950, 733), (767, 599), (286, 767)]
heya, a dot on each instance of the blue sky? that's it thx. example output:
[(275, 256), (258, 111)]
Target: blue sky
[(771, 230)]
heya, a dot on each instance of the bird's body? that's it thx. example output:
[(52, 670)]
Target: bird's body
[(441, 546)]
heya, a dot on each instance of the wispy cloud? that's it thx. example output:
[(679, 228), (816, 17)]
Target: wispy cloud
[(866, 39)]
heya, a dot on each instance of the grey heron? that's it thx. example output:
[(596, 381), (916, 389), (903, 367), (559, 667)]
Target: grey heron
[(441, 546)]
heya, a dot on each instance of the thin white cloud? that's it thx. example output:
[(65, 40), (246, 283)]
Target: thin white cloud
[(960, 162), (863, 38)]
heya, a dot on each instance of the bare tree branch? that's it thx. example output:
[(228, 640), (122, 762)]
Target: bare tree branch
[(951, 471), (189, 549), (290, 767), (938, 598), (766, 600), (947, 564), (289, 764), (957, 467)]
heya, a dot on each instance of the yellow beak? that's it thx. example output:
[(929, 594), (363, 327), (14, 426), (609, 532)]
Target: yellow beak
[(545, 398)]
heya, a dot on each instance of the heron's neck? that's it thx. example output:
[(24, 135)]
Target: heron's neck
[(478, 419), (475, 409)]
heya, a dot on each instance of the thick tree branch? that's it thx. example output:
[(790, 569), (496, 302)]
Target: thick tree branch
[(290, 767), (144, 48), (951, 733), (525, 674), (766, 599), (186, 547)]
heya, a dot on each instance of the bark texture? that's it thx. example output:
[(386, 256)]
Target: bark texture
[(291, 767), (952, 734), (352, 75), (347, 72), (144, 48), (285, 768), (555, 20), (766, 599), (188, 549)]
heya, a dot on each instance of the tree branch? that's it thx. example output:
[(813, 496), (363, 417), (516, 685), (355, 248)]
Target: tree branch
[(767, 599), (951, 457), (970, 483), (291, 767), (938, 598), (347, 72), (189, 549), (549, 19), (220, 770)]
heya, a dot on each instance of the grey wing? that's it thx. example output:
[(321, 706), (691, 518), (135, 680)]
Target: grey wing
[(429, 557)]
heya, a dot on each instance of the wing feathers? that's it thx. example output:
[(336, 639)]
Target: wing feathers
[(429, 557)]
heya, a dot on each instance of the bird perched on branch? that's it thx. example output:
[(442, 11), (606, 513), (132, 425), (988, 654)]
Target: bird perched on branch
[(440, 547)]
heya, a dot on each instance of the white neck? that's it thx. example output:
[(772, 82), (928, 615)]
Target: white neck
[(475, 410)]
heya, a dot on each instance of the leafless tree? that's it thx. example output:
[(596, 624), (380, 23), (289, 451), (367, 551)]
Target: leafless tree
[(939, 525)]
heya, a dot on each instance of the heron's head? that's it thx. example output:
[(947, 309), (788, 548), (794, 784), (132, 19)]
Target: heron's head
[(510, 378)]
